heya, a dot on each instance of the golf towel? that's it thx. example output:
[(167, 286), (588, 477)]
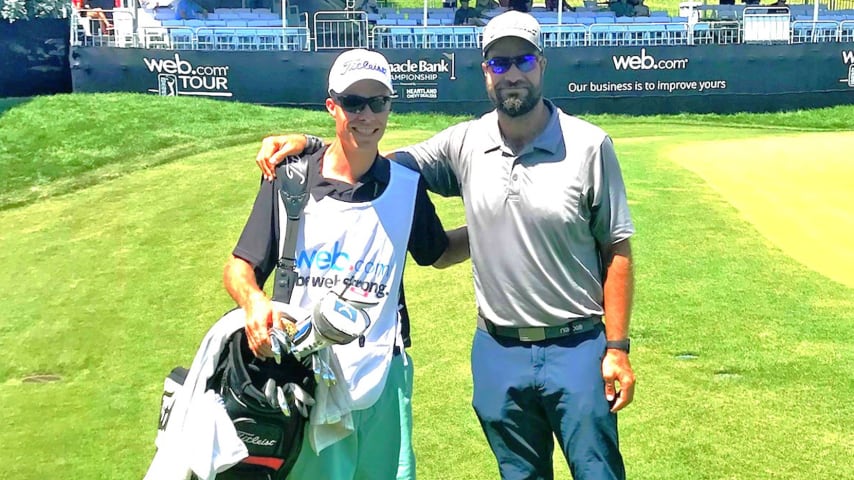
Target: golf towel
[(199, 436)]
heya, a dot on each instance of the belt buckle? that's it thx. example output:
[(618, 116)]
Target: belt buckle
[(531, 334)]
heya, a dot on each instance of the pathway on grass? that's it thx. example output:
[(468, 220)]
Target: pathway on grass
[(798, 190)]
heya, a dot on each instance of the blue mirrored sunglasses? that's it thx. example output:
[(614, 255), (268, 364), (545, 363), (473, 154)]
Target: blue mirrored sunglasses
[(500, 65), (356, 103)]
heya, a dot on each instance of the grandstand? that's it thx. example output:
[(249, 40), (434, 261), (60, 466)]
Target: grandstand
[(247, 29), (708, 58)]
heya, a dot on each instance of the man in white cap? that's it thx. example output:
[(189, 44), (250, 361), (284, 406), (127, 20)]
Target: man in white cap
[(544, 364), (363, 214)]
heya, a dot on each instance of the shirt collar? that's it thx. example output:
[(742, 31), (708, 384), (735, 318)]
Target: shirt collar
[(548, 140), (376, 178)]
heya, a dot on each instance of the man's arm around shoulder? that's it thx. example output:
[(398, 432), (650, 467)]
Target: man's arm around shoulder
[(458, 248)]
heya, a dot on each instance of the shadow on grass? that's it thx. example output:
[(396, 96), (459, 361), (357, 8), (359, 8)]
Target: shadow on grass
[(9, 103)]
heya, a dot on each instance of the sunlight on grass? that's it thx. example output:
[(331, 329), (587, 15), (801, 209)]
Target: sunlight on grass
[(112, 282), (796, 189)]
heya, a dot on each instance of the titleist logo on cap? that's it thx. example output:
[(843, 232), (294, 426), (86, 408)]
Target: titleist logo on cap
[(360, 64)]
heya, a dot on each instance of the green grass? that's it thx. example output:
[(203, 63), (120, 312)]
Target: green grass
[(113, 284)]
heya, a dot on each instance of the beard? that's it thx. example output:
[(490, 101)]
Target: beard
[(515, 104)]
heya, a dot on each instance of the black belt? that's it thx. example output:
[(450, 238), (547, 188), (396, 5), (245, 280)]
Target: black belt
[(535, 334)]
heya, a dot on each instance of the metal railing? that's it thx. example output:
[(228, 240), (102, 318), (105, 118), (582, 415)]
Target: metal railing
[(337, 30), (766, 24), (340, 30), (225, 38)]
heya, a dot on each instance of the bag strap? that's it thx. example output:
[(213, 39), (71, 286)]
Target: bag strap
[(292, 178)]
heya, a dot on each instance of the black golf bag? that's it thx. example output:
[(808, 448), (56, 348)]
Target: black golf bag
[(272, 438)]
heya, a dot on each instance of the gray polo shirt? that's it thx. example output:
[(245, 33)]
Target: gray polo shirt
[(537, 218)]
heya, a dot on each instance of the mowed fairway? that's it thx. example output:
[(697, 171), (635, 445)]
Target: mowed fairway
[(741, 350), (797, 190)]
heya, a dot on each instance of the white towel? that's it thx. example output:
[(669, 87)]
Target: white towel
[(216, 446), (331, 418), (198, 428)]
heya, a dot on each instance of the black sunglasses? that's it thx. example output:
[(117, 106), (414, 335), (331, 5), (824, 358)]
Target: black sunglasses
[(356, 103), (500, 65)]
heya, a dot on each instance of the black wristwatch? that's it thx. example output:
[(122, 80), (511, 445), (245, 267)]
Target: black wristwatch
[(618, 345)]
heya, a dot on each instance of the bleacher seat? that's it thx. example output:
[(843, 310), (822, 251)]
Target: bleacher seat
[(264, 23)]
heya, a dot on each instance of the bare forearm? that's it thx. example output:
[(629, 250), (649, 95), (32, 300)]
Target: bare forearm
[(458, 248), (619, 290), (239, 279)]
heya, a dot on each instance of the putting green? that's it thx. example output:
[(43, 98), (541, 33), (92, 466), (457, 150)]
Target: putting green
[(798, 190)]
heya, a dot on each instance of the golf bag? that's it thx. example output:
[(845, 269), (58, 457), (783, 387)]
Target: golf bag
[(272, 438), (270, 426)]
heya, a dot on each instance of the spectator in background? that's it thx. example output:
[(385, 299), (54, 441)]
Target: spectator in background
[(466, 15), (97, 13), (621, 8), (93, 12), (779, 3), (552, 6), (641, 10), (369, 6), (484, 5), (519, 5), (188, 9)]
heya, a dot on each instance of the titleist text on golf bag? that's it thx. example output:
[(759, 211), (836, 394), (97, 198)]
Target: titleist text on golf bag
[(272, 438)]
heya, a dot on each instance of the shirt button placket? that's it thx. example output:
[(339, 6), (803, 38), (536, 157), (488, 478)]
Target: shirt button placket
[(513, 181)]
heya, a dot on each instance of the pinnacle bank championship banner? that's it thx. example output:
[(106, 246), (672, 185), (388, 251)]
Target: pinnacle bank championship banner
[(632, 80)]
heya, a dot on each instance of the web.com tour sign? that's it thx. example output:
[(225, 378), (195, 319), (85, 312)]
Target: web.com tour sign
[(632, 80)]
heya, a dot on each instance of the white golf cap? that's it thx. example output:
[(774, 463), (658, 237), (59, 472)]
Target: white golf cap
[(512, 24), (359, 64)]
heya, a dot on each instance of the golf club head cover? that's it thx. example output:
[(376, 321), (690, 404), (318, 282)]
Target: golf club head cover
[(334, 320), (293, 181)]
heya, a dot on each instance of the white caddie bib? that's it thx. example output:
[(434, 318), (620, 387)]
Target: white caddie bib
[(359, 249)]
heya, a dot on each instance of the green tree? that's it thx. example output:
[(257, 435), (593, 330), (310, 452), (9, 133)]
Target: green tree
[(12, 10)]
